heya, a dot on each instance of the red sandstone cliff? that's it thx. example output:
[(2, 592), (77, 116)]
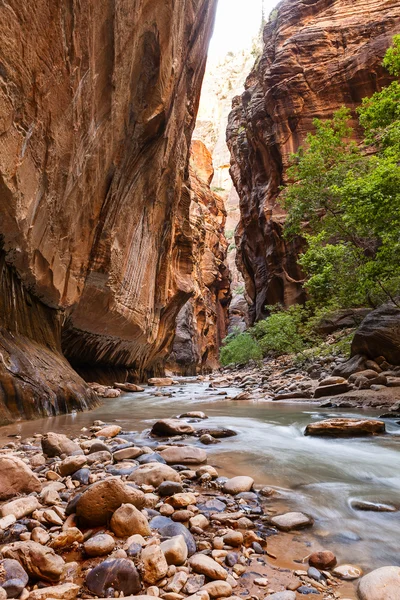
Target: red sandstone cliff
[(202, 322), (97, 106), (318, 55)]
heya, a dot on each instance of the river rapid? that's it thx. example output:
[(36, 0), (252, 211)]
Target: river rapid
[(318, 476)]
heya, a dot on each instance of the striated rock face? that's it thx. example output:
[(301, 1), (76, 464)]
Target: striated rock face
[(318, 56), (202, 322), (96, 116)]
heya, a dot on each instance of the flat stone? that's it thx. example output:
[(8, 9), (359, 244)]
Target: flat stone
[(331, 390), (204, 565), (99, 457), (154, 474), (347, 572), (16, 478), (381, 584), (184, 455), (342, 427), (99, 545), (40, 562), (65, 591), (194, 414), (166, 427), (155, 565), (160, 381), (127, 453), (239, 484), (57, 444), (128, 387), (98, 503), (372, 506), (128, 520), (175, 550), (291, 520), (119, 574), (21, 507)]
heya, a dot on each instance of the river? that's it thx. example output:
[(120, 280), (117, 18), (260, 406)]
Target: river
[(318, 476)]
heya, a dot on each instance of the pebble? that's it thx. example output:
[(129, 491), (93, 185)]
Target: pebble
[(99, 545)]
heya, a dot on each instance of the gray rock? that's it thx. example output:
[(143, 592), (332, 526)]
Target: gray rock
[(13, 577), (110, 576)]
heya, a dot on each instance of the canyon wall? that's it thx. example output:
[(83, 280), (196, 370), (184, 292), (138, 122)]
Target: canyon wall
[(202, 322), (98, 102), (318, 55)]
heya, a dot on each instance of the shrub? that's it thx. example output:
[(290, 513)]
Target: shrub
[(239, 349), (283, 332)]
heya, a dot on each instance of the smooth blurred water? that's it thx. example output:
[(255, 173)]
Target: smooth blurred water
[(316, 475)]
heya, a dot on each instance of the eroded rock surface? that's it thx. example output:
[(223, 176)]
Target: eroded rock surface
[(96, 116), (318, 56)]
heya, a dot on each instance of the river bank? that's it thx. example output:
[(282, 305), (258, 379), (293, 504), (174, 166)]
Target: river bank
[(315, 476)]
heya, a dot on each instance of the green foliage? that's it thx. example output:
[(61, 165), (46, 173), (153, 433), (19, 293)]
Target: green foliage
[(349, 202), (239, 349), (281, 332), (217, 189), (273, 15)]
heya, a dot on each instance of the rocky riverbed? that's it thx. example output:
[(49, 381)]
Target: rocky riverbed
[(112, 513)]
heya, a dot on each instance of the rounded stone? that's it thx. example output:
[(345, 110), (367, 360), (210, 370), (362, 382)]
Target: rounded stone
[(239, 484), (154, 474), (128, 520), (169, 488), (99, 545), (322, 560), (118, 575), (98, 503), (205, 565), (381, 584), (13, 577)]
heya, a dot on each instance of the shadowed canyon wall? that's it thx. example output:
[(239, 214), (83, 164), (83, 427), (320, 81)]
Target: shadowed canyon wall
[(98, 102), (202, 322), (318, 55)]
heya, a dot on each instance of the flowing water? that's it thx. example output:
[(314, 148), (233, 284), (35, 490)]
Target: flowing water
[(318, 476)]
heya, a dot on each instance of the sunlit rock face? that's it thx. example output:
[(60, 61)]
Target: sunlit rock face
[(202, 322), (97, 106), (318, 56)]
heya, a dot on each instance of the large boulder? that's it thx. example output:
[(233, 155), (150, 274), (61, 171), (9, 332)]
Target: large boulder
[(165, 427), (57, 444), (343, 427), (40, 562), (154, 474), (16, 478), (381, 584), (379, 334), (99, 502)]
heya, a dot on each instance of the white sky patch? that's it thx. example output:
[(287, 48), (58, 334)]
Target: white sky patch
[(236, 25)]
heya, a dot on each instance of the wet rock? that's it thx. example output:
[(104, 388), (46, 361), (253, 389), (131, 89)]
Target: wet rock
[(322, 560), (347, 572), (291, 520), (331, 390), (154, 474), (155, 565), (160, 381), (372, 506), (71, 464), (13, 577), (109, 432), (166, 427), (40, 562), (175, 550), (99, 502), (218, 589), (233, 538), (184, 455), (219, 432), (16, 478), (20, 507), (239, 484), (204, 565), (102, 456), (381, 584), (194, 414), (145, 459), (57, 444), (114, 575), (207, 439), (342, 427), (128, 520), (128, 387), (98, 446), (99, 545)]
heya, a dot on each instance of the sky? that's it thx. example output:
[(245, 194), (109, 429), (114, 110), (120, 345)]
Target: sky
[(237, 22)]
